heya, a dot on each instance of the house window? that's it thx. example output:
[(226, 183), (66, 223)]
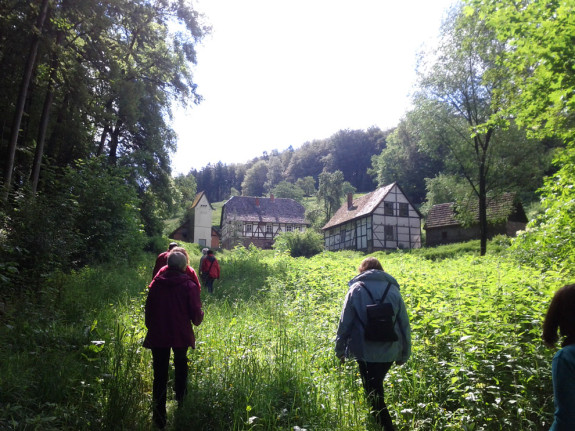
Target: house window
[(403, 209), (388, 208), (289, 228), (269, 228), (248, 229), (389, 233), (202, 242)]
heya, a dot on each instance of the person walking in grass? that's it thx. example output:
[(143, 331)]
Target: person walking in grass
[(374, 358), (189, 270), (204, 256), (162, 259), (172, 306), (210, 270), (560, 321)]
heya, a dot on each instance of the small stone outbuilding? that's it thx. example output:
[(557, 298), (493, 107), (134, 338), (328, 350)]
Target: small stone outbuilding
[(505, 216)]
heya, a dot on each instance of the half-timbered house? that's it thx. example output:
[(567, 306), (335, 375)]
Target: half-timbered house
[(381, 220), (249, 220)]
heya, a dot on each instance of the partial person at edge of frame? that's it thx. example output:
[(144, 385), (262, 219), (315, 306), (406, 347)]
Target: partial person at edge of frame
[(560, 322)]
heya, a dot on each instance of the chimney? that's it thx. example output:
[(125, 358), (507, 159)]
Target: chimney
[(272, 197), (257, 202), (349, 200)]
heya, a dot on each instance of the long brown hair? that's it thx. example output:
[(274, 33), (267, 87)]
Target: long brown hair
[(560, 317)]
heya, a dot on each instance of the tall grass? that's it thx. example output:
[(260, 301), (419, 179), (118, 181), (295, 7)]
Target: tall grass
[(264, 357)]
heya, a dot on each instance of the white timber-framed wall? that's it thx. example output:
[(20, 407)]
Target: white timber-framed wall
[(391, 223), (203, 222)]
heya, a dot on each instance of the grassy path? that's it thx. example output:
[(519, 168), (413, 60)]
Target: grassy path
[(72, 357)]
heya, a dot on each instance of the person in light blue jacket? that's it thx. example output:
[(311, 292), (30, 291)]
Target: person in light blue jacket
[(374, 358), (560, 320)]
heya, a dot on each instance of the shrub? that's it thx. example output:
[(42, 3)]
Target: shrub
[(299, 244)]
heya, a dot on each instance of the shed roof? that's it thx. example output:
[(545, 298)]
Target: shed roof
[(501, 207), (264, 210)]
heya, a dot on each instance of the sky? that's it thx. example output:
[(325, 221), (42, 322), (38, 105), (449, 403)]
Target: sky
[(275, 73)]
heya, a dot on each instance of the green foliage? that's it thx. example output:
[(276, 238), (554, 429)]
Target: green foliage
[(307, 243), (307, 184), (107, 216), (330, 192), (549, 240), (540, 80), (459, 95), (91, 215), (187, 187), (403, 160), (288, 190), (539, 93), (445, 188), (71, 356), (256, 176)]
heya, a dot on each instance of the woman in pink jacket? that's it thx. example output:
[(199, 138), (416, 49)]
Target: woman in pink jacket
[(172, 306)]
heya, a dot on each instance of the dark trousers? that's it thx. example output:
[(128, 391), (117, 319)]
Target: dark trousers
[(372, 375), (161, 364), (210, 284)]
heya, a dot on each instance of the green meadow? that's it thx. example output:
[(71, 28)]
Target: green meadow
[(71, 356)]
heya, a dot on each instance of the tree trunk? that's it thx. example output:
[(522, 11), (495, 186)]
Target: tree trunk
[(482, 210), (23, 92), (483, 226), (39, 153), (113, 156), (103, 137)]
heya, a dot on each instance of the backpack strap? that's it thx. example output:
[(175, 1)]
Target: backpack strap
[(212, 264), (362, 284)]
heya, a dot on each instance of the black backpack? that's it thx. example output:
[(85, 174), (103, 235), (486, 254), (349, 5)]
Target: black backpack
[(380, 324)]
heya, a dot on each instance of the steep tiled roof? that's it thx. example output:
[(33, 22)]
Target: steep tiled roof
[(501, 207), (264, 210), (360, 207)]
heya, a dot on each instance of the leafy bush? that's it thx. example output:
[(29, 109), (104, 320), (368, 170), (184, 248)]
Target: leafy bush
[(299, 244), (549, 240), (89, 215)]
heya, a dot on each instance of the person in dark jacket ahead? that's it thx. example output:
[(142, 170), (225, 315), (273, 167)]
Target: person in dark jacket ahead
[(172, 305), (210, 269), (162, 259), (374, 358)]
